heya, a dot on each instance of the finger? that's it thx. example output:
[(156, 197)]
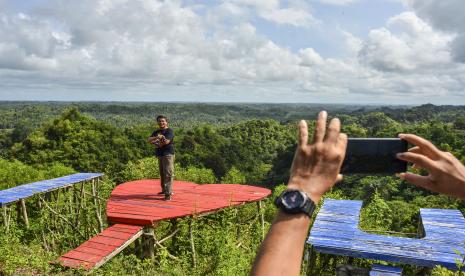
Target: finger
[(417, 180), (320, 127), (339, 178), (303, 133), (418, 159), (341, 144), (428, 147), (415, 149), (333, 130)]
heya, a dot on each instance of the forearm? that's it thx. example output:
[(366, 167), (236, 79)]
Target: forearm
[(281, 251), (165, 142)]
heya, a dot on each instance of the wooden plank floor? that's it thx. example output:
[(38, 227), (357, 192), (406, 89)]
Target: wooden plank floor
[(14, 194), (96, 251), (135, 204), (335, 231), (138, 202)]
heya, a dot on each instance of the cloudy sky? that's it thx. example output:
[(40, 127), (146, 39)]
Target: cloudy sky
[(318, 51)]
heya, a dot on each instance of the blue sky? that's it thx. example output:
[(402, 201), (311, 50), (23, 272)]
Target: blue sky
[(320, 51)]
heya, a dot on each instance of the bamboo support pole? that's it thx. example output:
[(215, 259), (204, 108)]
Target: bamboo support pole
[(63, 218), (48, 196), (311, 260), (97, 205), (191, 236), (168, 253), (168, 237), (70, 200), (262, 218), (137, 247), (6, 217), (79, 202), (24, 212)]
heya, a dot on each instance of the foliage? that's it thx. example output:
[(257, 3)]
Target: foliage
[(234, 176), (376, 215), (13, 173), (80, 142), (233, 143)]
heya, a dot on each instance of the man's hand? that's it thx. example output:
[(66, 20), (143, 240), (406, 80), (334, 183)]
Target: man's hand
[(315, 168), (446, 173)]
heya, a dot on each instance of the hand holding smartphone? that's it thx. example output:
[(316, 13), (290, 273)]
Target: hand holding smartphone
[(374, 156)]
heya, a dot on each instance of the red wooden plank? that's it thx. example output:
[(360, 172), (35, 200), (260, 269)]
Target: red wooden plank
[(87, 257), (136, 228), (98, 245), (75, 263), (124, 230), (146, 211), (94, 251), (116, 234), (141, 216), (108, 241), (134, 208), (129, 220), (131, 215)]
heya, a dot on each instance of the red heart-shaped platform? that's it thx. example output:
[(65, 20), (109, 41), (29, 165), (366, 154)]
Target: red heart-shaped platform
[(137, 202)]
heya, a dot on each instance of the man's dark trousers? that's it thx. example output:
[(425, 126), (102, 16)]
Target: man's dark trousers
[(166, 167)]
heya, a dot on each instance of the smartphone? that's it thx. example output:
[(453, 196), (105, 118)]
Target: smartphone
[(374, 156)]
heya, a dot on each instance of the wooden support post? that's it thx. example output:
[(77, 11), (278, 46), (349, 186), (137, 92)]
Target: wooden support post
[(149, 243), (97, 205), (79, 204), (48, 196), (137, 247), (6, 218), (262, 218), (311, 260), (191, 236), (24, 212)]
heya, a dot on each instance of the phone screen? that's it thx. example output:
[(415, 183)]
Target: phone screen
[(374, 156)]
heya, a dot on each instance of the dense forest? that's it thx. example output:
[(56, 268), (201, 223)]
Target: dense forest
[(215, 143)]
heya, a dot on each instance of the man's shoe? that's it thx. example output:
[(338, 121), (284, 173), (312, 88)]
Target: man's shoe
[(161, 193), (167, 197)]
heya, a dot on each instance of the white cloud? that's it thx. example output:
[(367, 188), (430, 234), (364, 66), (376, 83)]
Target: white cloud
[(149, 46), (294, 13), (338, 2), (162, 42), (309, 57), (447, 16), (406, 44)]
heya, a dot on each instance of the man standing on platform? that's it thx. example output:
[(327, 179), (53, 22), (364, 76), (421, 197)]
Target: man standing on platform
[(163, 139)]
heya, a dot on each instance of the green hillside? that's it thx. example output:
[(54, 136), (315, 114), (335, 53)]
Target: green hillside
[(215, 143)]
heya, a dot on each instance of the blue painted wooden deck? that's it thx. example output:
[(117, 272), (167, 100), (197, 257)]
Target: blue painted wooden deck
[(335, 231), (383, 270), (14, 194)]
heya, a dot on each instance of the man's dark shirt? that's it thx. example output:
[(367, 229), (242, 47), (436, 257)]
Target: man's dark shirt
[(169, 135)]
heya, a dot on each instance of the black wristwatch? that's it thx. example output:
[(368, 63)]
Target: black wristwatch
[(295, 202)]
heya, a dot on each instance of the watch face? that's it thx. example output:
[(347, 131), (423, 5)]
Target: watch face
[(293, 199)]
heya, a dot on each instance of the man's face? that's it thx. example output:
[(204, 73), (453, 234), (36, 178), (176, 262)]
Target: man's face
[(162, 123)]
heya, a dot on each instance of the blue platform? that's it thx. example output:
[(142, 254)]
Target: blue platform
[(14, 194), (335, 231), (383, 270)]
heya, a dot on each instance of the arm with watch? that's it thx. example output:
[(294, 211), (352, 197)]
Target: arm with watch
[(315, 169)]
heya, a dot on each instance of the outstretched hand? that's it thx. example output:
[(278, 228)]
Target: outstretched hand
[(446, 173), (315, 168)]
